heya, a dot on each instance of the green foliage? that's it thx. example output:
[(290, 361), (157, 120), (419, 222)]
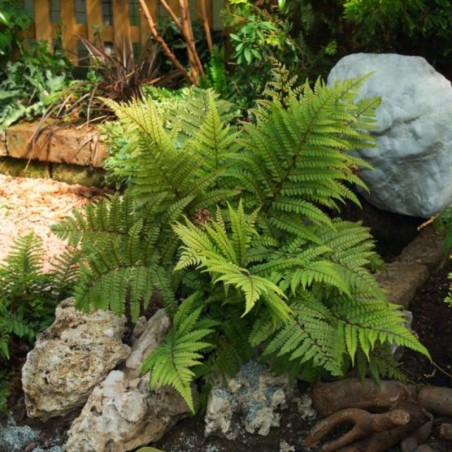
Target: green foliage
[(327, 30), (31, 84), (443, 222), (256, 37), (183, 111), (171, 362), (13, 19), (28, 297), (398, 19), (217, 76), (242, 224)]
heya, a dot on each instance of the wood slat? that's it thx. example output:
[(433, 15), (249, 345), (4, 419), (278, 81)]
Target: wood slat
[(94, 18), (121, 24), (68, 29), (43, 26), (119, 32), (107, 34), (208, 10), (144, 27)]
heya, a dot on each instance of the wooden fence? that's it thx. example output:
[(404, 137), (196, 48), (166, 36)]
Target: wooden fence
[(112, 22)]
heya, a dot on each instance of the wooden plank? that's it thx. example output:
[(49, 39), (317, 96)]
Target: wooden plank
[(94, 18), (68, 29), (121, 24), (144, 27), (135, 34), (107, 33), (174, 4), (43, 26)]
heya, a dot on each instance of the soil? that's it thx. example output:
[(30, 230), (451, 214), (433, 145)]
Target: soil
[(27, 205), (33, 205)]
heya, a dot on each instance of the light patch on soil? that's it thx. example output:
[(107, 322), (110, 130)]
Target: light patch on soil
[(34, 205)]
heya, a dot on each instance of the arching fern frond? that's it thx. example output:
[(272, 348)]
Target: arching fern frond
[(106, 220), (373, 323), (224, 255), (309, 337), (172, 361), (298, 155)]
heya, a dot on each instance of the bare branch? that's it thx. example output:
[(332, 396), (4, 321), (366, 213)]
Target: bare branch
[(162, 42)]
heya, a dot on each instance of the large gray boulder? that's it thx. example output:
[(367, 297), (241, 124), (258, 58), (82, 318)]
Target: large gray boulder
[(69, 358), (412, 172)]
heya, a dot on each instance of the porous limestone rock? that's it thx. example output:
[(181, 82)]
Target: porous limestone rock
[(122, 413), (412, 163), (69, 358), (253, 399)]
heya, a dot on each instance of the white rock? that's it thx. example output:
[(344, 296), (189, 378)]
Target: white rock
[(413, 161), (150, 337), (219, 414), (253, 399), (69, 358), (122, 413)]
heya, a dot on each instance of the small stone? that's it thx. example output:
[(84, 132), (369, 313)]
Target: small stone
[(253, 398), (445, 431), (286, 447), (304, 405)]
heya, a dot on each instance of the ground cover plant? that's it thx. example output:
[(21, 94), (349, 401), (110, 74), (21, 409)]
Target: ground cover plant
[(444, 223), (238, 229), (28, 299)]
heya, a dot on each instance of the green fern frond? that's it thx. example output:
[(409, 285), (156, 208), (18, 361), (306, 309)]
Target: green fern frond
[(310, 336), (214, 140), (25, 258), (65, 269), (172, 361), (106, 220), (303, 149), (117, 269), (287, 278), (224, 255), (231, 345), (368, 324)]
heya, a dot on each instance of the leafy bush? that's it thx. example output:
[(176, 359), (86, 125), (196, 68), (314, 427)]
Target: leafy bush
[(257, 37), (443, 222), (13, 19), (32, 83), (402, 19), (28, 297), (236, 227)]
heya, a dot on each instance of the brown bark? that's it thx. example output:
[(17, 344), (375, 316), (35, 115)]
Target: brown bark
[(206, 25), (193, 57), (348, 399), (364, 424), (353, 393), (383, 441), (161, 41), (328, 398), (436, 399)]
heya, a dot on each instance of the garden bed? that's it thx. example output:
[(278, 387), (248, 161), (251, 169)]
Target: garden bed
[(28, 206)]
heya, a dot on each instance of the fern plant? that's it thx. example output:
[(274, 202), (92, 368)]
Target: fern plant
[(28, 297), (242, 224)]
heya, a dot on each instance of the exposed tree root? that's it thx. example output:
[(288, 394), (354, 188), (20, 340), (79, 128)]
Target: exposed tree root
[(364, 423), (381, 415)]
